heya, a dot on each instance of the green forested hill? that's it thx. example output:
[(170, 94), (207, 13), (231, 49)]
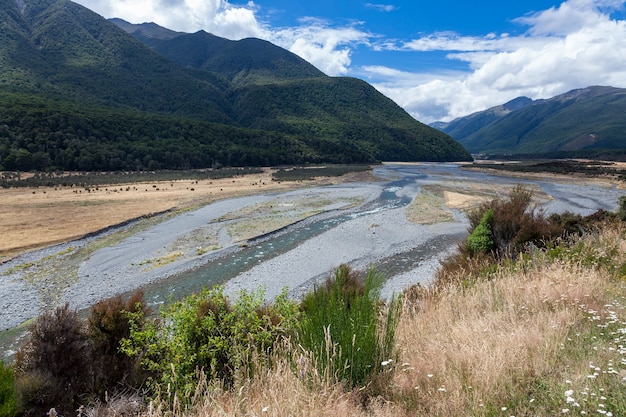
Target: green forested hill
[(583, 121), (78, 92)]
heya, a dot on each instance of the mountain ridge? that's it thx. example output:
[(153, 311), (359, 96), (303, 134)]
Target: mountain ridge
[(78, 92), (588, 119)]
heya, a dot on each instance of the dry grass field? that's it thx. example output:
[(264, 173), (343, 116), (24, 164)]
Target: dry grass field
[(544, 338), (32, 218)]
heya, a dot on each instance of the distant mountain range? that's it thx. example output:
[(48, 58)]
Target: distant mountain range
[(584, 122), (78, 92)]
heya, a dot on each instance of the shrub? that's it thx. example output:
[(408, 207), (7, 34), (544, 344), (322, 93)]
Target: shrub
[(481, 240), (8, 399), (515, 223), (342, 327), (621, 212), (53, 368), (108, 324), (205, 332)]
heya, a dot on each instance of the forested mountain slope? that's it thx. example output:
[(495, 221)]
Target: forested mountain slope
[(78, 92), (581, 122)]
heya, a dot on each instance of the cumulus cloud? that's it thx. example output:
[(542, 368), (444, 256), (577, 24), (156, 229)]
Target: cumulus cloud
[(325, 46), (216, 16), (572, 46), (328, 48)]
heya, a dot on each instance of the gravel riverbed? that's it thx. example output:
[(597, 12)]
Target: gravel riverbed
[(85, 271)]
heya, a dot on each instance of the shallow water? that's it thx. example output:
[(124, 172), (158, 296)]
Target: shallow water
[(403, 183), (220, 270)]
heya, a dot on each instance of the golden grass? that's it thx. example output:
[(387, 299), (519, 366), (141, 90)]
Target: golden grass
[(541, 338), (39, 217)]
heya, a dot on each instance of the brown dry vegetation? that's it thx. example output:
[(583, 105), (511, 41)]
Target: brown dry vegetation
[(538, 338), (38, 217)]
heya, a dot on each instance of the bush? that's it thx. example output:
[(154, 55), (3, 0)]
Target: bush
[(205, 332), (52, 368), (8, 399), (108, 324), (515, 224), (481, 240), (342, 327), (621, 212)]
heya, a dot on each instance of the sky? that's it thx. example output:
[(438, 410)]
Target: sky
[(438, 59)]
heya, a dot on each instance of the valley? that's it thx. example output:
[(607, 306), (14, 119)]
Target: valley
[(401, 218)]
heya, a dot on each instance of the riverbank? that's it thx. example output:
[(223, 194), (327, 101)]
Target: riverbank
[(147, 251)]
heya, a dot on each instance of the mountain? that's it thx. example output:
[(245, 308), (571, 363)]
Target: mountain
[(78, 92), (247, 61), (580, 122)]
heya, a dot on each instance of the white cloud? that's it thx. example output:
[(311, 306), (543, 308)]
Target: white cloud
[(216, 16), (381, 7), (326, 47), (572, 46)]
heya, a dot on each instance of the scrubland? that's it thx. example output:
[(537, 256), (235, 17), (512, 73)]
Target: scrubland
[(528, 319)]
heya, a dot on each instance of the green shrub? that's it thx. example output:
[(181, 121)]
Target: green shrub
[(481, 240), (515, 223), (205, 332), (8, 399), (342, 327)]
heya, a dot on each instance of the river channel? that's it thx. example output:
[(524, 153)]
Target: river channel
[(373, 231)]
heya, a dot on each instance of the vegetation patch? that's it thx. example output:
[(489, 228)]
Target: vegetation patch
[(154, 263), (311, 173), (428, 207)]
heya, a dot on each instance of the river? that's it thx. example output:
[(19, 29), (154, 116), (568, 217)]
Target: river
[(374, 231)]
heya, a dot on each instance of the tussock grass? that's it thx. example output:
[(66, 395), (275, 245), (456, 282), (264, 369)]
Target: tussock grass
[(538, 337)]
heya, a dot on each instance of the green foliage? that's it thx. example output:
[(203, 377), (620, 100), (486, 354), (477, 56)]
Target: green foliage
[(83, 95), (205, 332), (481, 240), (515, 223), (342, 328), (8, 398)]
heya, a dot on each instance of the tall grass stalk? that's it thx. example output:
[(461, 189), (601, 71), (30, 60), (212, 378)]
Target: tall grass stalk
[(341, 325)]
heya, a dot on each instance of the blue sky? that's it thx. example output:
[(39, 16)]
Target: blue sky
[(437, 59)]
